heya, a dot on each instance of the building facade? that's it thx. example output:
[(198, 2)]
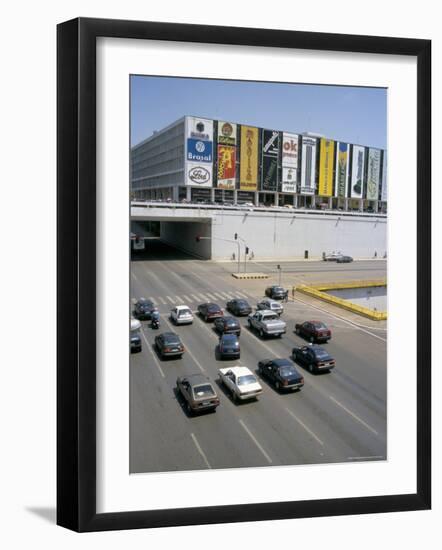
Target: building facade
[(200, 160)]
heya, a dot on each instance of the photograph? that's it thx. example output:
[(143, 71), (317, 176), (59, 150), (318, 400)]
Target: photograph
[(258, 274)]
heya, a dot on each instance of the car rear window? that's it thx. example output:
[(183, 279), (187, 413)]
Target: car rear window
[(321, 354), (287, 371), (319, 326), (213, 307), (183, 312), (172, 340), (204, 390), (246, 379)]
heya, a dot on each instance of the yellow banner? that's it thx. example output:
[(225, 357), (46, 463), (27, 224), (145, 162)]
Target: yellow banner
[(248, 173), (326, 168)]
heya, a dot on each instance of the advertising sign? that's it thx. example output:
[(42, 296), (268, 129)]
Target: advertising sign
[(289, 177), (308, 165), (199, 174), (226, 133), (384, 193), (357, 172), (289, 162), (248, 172), (326, 167), (270, 156), (226, 167), (199, 150), (341, 176), (373, 174), (199, 128)]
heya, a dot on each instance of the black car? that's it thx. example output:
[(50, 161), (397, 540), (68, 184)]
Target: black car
[(135, 343), (198, 393), (228, 346), (282, 373), (210, 311), (227, 325), (169, 344), (313, 357), (143, 309), (239, 307), (344, 259), (276, 292)]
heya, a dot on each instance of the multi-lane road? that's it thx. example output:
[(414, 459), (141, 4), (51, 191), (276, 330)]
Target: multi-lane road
[(336, 417)]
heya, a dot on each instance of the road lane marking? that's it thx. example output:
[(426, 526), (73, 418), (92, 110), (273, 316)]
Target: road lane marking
[(243, 295), (153, 354), (134, 276), (228, 296), (198, 364), (256, 442), (306, 428), (178, 300), (162, 300), (186, 298), (219, 295), (342, 319), (374, 457), (170, 299), (201, 452), (355, 416), (133, 300), (211, 297), (196, 297)]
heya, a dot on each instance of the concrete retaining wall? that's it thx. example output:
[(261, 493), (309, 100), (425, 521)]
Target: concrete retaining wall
[(183, 235)]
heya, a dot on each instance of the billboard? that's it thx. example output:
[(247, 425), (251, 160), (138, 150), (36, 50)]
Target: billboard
[(289, 161), (308, 165), (226, 167), (373, 174), (226, 133), (198, 170), (270, 157), (384, 193), (248, 172), (357, 172), (326, 167), (199, 150), (199, 174), (342, 163)]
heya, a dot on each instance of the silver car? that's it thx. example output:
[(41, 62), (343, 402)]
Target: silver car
[(181, 315), (271, 305)]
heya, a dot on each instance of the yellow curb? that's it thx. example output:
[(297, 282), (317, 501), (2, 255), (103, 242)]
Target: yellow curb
[(316, 292), (250, 275)]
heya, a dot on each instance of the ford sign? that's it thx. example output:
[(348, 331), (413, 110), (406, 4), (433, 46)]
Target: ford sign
[(199, 175)]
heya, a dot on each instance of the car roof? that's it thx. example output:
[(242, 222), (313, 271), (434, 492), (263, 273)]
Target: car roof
[(196, 379), (282, 362), (145, 301), (267, 311), (238, 370), (228, 336), (209, 304), (182, 307)]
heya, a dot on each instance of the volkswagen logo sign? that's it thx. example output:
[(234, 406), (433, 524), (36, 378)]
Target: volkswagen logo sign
[(199, 175), (200, 147)]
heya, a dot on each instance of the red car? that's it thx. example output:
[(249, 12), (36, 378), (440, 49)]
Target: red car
[(210, 312), (313, 331)]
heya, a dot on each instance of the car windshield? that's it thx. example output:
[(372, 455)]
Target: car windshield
[(146, 304), (287, 371), (278, 289), (246, 379), (205, 390), (270, 317), (242, 303), (213, 307), (230, 339), (183, 312)]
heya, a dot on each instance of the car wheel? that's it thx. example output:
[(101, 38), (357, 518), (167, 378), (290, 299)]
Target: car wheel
[(261, 333), (206, 318), (234, 397), (311, 339), (311, 368), (277, 386), (189, 409), (297, 331)]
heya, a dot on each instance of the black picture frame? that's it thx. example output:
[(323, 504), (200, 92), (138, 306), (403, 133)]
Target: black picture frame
[(76, 274)]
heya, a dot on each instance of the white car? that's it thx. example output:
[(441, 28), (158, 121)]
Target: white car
[(181, 315), (241, 382), (272, 305)]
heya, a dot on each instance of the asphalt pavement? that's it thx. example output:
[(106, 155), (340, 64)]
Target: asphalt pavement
[(336, 417)]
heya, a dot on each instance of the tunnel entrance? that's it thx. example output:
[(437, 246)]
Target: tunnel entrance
[(173, 240)]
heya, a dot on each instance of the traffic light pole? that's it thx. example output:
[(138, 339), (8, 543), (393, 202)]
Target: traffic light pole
[(225, 240)]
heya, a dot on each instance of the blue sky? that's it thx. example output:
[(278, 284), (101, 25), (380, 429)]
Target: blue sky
[(353, 114)]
